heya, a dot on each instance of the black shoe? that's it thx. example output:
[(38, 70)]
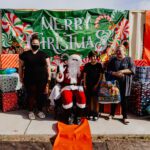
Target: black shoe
[(90, 116), (95, 116)]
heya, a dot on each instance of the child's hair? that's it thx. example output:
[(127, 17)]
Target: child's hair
[(92, 53)]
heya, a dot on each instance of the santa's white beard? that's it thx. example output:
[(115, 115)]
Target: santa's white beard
[(74, 72)]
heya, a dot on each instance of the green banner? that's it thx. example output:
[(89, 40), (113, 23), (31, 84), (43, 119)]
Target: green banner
[(67, 32)]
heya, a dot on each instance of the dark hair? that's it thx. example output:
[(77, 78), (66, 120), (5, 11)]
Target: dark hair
[(126, 43), (34, 37), (92, 53)]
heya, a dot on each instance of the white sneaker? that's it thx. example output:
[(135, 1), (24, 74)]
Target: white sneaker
[(31, 115), (41, 115)]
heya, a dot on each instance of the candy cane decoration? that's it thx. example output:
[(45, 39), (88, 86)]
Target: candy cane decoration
[(27, 30), (123, 29), (6, 40), (99, 18), (12, 24)]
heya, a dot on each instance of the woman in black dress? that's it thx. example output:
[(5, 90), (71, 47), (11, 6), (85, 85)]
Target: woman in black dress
[(121, 68), (34, 73)]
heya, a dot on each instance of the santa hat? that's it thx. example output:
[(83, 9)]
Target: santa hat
[(77, 57)]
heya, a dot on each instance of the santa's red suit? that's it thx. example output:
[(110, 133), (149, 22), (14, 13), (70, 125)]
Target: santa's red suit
[(71, 90), (71, 84)]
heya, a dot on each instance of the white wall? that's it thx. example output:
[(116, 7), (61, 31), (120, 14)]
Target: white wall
[(137, 22)]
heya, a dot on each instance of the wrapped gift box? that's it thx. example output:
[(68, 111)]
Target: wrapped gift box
[(142, 74), (141, 62), (140, 97), (9, 101), (9, 61), (107, 109), (8, 83)]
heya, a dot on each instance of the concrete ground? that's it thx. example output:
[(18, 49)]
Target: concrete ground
[(17, 132), (17, 123)]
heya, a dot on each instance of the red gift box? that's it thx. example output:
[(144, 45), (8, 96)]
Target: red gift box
[(9, 101), (107, 109)]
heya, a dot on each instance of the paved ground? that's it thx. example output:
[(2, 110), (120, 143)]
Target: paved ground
[(17, 123), (17, 132)]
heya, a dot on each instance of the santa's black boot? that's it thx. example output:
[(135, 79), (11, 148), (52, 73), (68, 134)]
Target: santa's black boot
[(80, 114), (69, 116)]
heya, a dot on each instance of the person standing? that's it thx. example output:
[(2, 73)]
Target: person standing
[(93, 74), (34, 72), (122, 69)]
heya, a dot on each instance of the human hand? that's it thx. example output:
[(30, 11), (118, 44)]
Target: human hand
[(21, 80), (85, 87), (120, 74), (62, 68)]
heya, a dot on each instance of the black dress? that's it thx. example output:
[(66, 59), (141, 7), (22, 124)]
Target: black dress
[(35, 78)]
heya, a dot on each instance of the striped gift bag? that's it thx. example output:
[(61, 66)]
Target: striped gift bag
[(9, 61)]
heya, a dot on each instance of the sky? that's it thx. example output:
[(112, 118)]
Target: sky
[(76, 4)]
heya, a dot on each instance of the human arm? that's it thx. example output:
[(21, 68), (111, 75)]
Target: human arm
[(100, 79), (125, 71), (60, 73), (48, 68), (130, 69), (21, 64)]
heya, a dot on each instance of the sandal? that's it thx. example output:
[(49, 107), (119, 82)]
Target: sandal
[(31, 115), (41, 115)]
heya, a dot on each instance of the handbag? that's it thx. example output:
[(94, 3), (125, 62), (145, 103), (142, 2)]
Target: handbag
[(108, 92)]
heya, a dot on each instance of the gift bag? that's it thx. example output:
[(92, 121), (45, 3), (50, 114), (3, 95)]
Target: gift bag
[(108, 92), (73, 137)]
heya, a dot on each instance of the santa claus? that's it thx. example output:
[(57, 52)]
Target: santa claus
[(71, 78)]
